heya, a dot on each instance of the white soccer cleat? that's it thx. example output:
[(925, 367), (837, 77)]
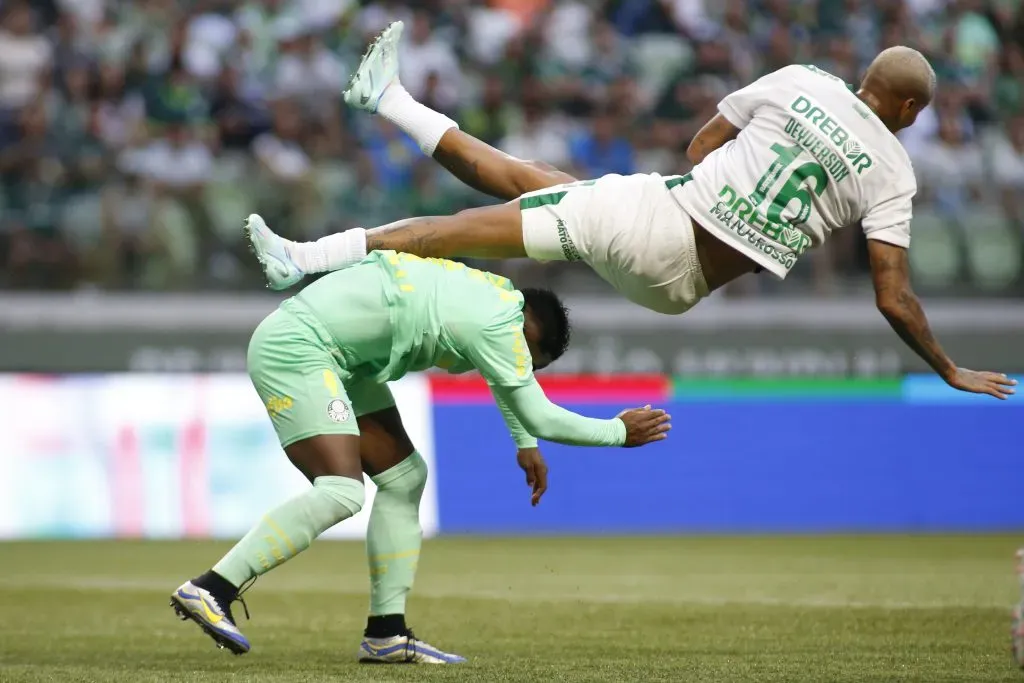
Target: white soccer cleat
[(278, 267), (198, 604), (403, 650), (377, 71)]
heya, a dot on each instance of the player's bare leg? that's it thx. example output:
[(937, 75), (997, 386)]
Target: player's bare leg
[(375, 88), (487, 232)]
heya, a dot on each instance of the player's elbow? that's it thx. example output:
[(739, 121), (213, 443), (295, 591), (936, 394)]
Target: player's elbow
[(539, 429), (695, 151), (892, 304)]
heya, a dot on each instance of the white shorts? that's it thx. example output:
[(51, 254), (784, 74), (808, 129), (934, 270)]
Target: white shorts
[(629, 229)]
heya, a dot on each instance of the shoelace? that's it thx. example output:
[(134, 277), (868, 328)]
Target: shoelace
[(410, 646), (238, 596)]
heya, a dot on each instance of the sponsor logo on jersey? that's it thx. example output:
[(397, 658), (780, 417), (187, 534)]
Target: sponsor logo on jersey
[(842, 141), (569, 249), (279, 404), (783, 243)]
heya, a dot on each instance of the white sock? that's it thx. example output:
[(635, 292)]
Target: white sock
[(334, 252), (418, 121)]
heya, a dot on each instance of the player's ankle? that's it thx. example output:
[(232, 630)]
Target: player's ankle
[(385, 626), (219, 587), (394, 99), (424, 125)]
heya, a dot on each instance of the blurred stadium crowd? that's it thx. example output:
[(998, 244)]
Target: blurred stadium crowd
[(136, 135)]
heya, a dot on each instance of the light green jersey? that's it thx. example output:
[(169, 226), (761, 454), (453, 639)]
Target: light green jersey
[(416, 313)]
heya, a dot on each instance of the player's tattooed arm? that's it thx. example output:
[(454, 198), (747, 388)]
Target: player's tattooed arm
[(490, 170), (890, 271), (713, 135)]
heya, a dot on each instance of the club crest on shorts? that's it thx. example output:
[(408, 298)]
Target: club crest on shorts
[(338, 410)]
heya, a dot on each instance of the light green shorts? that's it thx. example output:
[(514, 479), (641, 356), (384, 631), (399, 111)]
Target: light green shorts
[(306, 390)]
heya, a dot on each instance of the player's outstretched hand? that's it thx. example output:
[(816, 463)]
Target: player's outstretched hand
[(536, 471), (645, 425), (992, 383)]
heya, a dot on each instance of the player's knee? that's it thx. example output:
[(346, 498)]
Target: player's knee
[(345, 496), (406, 479)]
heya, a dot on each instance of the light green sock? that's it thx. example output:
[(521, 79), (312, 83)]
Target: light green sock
[(287, 530), (394, 535)]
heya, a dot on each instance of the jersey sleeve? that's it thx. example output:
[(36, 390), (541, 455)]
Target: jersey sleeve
[(889, 219), (521, 437), (739, 107), (499, 352), (545, 420)]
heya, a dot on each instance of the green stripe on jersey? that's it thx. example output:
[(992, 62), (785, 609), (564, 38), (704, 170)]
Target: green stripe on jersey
[(538, 200)]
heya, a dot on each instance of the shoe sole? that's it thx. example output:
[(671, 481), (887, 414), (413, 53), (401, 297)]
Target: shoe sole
[(362, 60), (222, 641), (247, 231), (404, 661)]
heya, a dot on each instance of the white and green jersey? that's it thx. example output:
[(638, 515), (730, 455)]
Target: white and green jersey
[(810, 158)]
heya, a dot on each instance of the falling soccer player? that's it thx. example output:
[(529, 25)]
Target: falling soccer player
[(787, 160), (321, 363)]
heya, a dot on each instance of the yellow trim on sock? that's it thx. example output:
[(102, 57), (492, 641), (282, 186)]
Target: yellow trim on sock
[(280, 532), (394, 556)]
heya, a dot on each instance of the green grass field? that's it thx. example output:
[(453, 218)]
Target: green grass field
[(792, 609)]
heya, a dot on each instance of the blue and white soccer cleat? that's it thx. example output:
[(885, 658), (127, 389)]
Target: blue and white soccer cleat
[(403, 650), (199, 605), (278, 267), (377, 71)]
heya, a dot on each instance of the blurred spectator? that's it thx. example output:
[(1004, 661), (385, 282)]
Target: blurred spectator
[(490, 119), (305, 68), (134, 135), (950, 168), (239, 116), (537, 135), (287, 188), (25, 56), (602, 149), (424, 55), (1008, 169), (392, 155)]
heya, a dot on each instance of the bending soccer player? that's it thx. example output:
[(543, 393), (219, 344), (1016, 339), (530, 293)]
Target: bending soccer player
[(787, 160), (320, 364)]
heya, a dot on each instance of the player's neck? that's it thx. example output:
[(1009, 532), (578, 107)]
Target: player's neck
[(874, 104)]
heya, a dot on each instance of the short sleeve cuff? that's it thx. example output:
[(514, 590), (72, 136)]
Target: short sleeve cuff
[(897, 236), (732, 115)]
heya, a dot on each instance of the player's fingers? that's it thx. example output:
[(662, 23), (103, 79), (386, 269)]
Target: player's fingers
[(530, 477), (1005, 390), (652, 422), (997, 391), (541, 486)]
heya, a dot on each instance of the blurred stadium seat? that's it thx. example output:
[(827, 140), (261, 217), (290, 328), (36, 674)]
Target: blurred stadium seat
[(97, 94)]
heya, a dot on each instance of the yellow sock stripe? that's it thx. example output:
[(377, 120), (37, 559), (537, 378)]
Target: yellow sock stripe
[(280, 532), (394, 556)]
